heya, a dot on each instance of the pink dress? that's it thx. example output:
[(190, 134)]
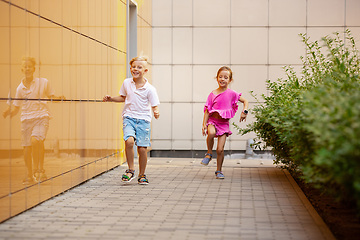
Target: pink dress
[(225, 104)]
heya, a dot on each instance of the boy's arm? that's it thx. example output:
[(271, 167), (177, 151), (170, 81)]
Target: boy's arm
[(10, 112), (51, 94), (119, 98), (53, 97), (246, 104), (205, 120), (156, 112)]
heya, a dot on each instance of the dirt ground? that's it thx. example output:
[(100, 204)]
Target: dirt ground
[(341, 218)]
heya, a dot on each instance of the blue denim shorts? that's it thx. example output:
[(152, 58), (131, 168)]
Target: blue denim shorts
[(139, 129)]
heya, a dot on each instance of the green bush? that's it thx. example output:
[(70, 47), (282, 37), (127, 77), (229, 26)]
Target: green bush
[(332, 114), (311, 122)]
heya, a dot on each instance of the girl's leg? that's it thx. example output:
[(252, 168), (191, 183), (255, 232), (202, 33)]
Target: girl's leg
[(142, 160), (220, 151), (210, 138), (129, 152)]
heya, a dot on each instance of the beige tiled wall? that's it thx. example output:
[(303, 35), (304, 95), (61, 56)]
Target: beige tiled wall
[(193, 38)]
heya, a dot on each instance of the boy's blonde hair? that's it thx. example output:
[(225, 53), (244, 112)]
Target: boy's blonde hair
[(140, 58), (30, 59)]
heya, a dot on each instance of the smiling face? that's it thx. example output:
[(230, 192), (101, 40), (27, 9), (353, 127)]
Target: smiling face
[(224, 78), (138, 69), (28, 68)]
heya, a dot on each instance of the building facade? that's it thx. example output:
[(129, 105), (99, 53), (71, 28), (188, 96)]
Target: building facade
[(192, 39)]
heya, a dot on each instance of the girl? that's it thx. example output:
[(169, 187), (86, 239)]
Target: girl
[(221, 105)]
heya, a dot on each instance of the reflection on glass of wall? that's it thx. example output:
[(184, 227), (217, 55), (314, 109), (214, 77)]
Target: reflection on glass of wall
[(31, 97), (58, 58)]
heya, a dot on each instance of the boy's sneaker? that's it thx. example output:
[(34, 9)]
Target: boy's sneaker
[(40, 175), (142, 180), (29, 180), (126, 178)]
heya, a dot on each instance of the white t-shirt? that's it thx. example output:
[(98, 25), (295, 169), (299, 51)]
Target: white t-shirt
[(138, 102), (39, 89)]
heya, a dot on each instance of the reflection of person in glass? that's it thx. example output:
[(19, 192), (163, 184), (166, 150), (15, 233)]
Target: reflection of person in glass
[(35, 117)]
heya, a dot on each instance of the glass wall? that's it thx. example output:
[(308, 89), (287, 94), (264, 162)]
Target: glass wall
[(55, 131)]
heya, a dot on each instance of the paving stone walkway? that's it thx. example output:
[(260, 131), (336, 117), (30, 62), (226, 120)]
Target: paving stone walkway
[(183, 201)]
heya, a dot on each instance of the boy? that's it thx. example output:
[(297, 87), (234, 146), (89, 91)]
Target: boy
[(35, 117), (138, 94)]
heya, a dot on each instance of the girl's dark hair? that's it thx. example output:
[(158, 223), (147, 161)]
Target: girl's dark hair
[(222, 69)]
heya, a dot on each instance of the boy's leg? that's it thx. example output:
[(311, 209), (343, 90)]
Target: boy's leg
[(38, 151), (129, 152), (142, 160), (129, 138), (28, 161), (38, 137), (26, 128), (220, 152), (142, 141), (143, 131)]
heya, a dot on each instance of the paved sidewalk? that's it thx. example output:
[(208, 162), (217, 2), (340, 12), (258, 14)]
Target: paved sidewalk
[(183, 201)]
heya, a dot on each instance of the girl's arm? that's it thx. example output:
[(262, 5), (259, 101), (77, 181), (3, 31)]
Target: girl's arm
[(246, 104), (205, 120), (119, 98), (156, 112)]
